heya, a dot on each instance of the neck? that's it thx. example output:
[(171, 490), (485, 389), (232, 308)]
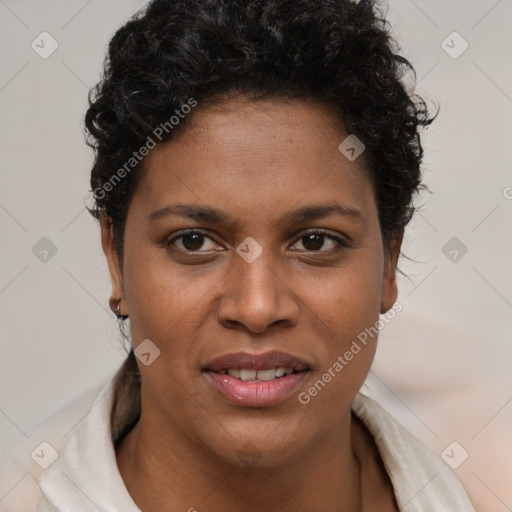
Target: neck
[(163, 467)]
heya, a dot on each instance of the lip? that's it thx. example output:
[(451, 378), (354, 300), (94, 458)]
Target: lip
[(263, 361), (256, 394)]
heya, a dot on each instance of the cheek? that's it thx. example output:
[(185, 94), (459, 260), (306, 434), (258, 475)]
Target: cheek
[(159, 300), (165, 307), (349, 298), (160, 293), (349, 305)]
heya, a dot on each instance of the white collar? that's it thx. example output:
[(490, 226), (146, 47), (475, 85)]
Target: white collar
[(85, 477)]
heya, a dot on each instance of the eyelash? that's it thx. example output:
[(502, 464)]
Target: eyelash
[(341, 242)]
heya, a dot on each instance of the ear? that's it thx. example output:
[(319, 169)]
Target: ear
[(114, 266), (389, 286)]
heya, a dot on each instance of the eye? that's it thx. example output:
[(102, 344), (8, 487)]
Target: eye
[(315, 240), (192, 241)]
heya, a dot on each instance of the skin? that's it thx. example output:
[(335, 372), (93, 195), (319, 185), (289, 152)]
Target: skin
[(197, 299)]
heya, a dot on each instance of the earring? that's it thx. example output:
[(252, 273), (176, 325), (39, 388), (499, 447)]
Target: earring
[(115, 306)]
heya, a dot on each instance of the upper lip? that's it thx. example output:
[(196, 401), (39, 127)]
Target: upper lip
[(263, 361)]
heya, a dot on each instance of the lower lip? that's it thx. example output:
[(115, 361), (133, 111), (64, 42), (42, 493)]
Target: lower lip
[(256, 394)]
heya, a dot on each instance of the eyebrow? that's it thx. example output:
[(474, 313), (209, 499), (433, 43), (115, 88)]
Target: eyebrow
[(215, 215)]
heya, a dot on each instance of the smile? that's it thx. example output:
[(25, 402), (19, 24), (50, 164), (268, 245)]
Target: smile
[(256, 380), (257, 375)]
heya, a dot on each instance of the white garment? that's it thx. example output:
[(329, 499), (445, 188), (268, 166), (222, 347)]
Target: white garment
[(85, 476)]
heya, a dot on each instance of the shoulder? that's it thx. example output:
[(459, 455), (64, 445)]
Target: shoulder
[(421, 480), (68, 461), (25, 456)]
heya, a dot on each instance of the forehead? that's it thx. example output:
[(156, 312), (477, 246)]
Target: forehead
[(256, 158)]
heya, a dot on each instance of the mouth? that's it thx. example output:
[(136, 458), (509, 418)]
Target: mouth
[(256, 380), (250, 375)]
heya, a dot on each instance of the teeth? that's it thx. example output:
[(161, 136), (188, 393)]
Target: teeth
[(262, 375), (247, 374), (266, 374), (280, 372)]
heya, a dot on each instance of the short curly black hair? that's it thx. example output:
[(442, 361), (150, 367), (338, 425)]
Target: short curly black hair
[(336, 52)]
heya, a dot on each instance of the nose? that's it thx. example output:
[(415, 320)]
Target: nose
[(256, 296)]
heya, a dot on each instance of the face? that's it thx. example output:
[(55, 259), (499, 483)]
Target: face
[(252, 244)]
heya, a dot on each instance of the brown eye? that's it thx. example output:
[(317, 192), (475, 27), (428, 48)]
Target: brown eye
[(315, 240), (192, 241)]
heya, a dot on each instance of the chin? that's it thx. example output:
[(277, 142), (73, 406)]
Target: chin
[(269, 445)]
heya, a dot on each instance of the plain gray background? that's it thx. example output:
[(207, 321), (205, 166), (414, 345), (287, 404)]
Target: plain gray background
[(443, 364)]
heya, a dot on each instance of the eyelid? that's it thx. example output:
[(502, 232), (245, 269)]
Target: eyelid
[(339, 239), (193, 231)]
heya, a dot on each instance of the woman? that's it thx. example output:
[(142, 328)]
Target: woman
[(256, 164)]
